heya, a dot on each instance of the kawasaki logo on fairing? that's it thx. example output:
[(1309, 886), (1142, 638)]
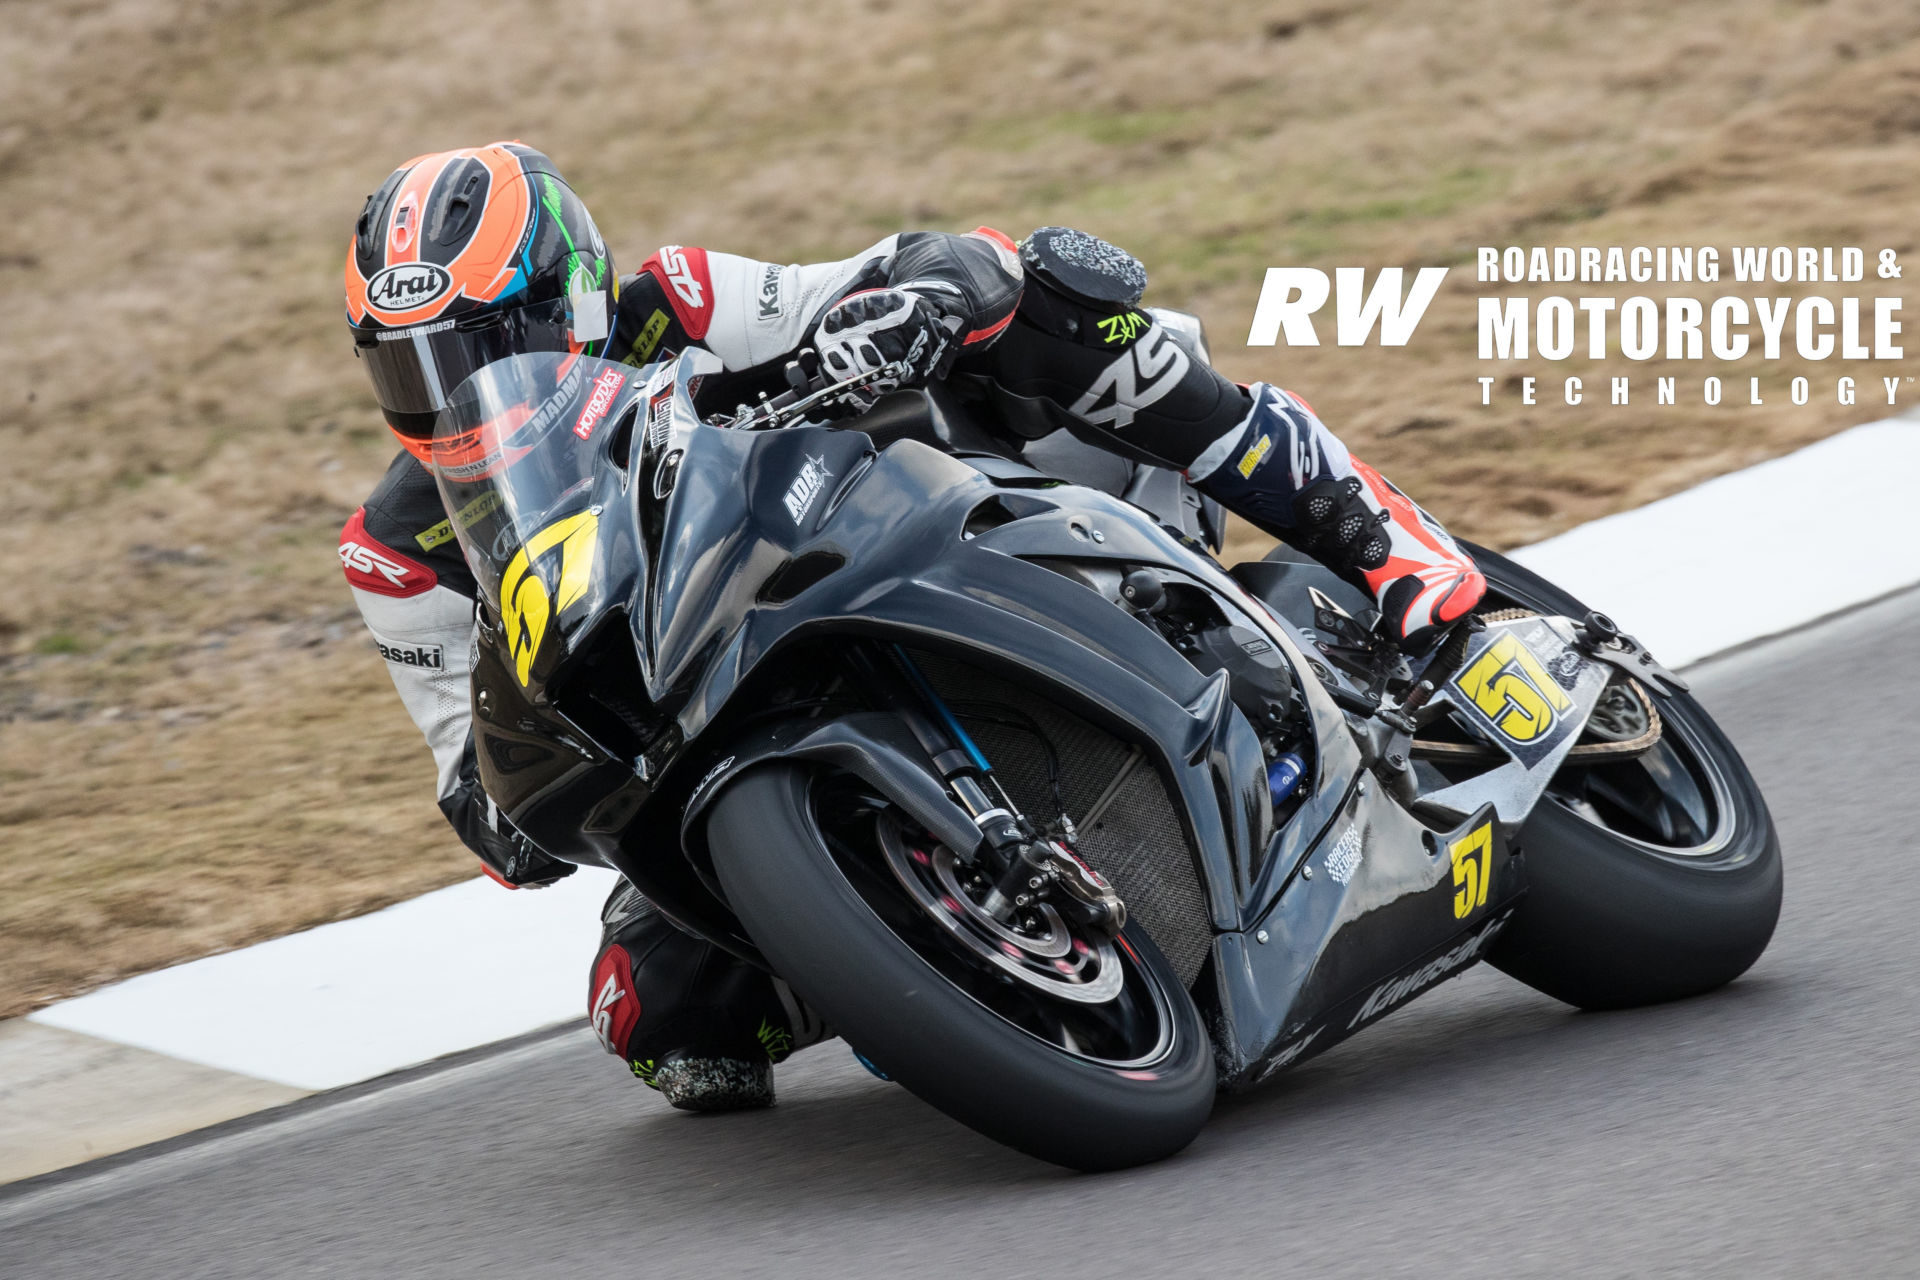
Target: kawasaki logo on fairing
[(1408, 985)]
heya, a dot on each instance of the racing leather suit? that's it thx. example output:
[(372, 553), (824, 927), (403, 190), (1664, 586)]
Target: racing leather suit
[(1048, 341)]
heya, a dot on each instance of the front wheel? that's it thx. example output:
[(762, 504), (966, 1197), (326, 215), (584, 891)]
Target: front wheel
[(1074, 1049)]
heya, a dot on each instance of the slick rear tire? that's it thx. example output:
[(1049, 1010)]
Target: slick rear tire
[(928, 1034), (1611, 921)]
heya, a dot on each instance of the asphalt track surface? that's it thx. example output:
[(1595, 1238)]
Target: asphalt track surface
[(1772, 1128)]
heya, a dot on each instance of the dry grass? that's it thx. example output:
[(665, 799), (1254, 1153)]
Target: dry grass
[(197, 748)]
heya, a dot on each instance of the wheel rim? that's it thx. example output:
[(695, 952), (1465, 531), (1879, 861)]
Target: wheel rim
[(1126, 1026), (1671, 799)]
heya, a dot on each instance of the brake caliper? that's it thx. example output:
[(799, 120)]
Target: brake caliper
[(1086, 894)]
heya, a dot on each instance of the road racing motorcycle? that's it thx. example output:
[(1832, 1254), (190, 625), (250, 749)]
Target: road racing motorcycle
[(1059, 823)]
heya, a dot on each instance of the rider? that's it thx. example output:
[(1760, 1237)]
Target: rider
[(464, 257)]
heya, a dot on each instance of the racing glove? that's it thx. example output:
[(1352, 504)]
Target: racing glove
[(864, 332), (516, 862)]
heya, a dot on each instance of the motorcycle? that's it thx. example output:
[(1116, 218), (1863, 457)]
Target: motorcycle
[(1059, 823)]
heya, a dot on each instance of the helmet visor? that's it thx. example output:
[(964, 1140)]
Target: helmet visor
[(416, 369)]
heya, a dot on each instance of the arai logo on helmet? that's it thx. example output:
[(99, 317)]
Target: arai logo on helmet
[(405, 286)]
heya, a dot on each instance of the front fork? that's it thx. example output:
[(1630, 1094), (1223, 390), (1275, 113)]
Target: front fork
[(1022, 865)]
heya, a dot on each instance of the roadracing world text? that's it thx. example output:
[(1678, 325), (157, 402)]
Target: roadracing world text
[(1672, 321)]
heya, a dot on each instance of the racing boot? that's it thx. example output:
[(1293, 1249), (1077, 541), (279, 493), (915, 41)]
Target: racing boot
[(693, 1022), (1280, 468)]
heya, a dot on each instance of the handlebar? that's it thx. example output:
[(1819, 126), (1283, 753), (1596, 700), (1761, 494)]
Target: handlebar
[(809, 390)]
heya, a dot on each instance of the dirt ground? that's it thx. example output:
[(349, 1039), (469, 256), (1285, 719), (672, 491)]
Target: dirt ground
[(198, 746)]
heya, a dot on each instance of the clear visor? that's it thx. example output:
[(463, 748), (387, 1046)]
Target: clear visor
[(415, 370)]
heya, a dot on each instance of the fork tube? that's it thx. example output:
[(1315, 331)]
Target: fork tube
[(954, 753)]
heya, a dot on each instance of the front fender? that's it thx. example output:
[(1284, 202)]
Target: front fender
[(874, 746)]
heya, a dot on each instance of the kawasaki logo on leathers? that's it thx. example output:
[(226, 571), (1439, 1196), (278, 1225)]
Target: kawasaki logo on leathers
[(427, 657), (1143, 374)]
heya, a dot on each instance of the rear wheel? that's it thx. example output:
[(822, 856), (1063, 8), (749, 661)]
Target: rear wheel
[(1650, 878), (1074, 1048)]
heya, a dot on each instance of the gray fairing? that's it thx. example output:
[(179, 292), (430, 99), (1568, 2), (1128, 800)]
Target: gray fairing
[(718, 579)]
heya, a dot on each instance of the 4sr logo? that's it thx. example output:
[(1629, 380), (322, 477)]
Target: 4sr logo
[(1139, 377), (680, 274), (380, 569)]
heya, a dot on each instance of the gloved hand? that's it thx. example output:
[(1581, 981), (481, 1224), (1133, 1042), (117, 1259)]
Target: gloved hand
[(520, 863), (866, 331)]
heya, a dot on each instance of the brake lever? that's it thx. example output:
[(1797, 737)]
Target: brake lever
[(780, 410)]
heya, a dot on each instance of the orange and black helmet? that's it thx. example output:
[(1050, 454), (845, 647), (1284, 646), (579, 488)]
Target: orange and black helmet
[(467, 257)]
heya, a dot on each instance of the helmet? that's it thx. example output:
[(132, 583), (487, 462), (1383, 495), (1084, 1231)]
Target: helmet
[(465, 257)]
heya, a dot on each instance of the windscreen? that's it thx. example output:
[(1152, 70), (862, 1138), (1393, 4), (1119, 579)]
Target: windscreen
[(513, 453)]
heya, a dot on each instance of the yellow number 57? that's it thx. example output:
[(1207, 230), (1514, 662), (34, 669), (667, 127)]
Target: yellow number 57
[(1508, 683), (1472, 870)]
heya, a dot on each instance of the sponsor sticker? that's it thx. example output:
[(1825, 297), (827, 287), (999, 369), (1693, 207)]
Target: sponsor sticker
[(1566, 668), (407, 286), (659, 419), (649, 338), (806, 487), (605, 388), (1252, 457), (1289, 1055), (1344, 858), (479, 509)]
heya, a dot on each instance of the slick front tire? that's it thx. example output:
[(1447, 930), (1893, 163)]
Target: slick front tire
[(950, 1049), (1649, 880)]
